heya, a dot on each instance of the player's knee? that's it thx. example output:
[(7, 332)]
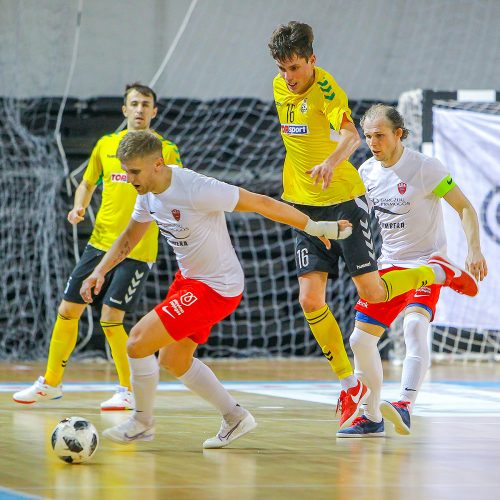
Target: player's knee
[(135, 347), (69, 310), (372, 294), (311, 302)]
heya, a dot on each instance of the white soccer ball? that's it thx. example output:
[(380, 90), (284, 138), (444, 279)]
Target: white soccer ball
[(75, 440)]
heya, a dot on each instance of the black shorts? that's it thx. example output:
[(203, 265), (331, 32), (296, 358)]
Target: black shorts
[(357, 251), (122, 285)]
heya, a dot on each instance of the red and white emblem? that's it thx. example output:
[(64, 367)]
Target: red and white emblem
[(176, 213), (402, 187)]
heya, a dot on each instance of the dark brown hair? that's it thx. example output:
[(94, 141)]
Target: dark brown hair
[(142, 89), (292, 39)]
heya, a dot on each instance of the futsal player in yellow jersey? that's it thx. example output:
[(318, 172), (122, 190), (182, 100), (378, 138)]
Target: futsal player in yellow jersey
[(124, 285), (319, 136)]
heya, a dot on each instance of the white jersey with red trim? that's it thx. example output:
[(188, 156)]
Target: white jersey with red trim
[(190, 214), (406, 200)]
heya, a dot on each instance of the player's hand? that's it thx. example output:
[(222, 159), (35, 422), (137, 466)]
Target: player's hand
[(76, 215), (329, 230), (476, 265), (94, 281), (321, 173)]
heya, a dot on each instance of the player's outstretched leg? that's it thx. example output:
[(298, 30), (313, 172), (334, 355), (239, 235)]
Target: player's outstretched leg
[(458, 279), (233, 426), (39, 391), (398, 413)]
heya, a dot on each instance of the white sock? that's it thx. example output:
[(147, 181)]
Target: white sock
[(145, 374), (416, 362), (348, 382), (368, 368), (438, 273), (202, 380)]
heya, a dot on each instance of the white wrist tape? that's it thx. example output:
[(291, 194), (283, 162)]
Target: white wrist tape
[(328, 229)]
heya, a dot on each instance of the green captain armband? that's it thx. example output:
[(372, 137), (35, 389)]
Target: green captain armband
[(445, 186)]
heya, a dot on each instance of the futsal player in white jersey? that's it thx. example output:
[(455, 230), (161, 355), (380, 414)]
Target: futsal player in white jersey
[(405, 189), (189, 211)]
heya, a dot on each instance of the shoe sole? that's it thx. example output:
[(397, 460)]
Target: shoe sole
[(115, 408), (349, 421), (245, 430), (472, 290), (36, 401), (371, 435), (390, 413)]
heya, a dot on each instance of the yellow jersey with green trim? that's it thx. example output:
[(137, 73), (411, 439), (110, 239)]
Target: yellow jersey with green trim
[(310, 123), (118, 196)]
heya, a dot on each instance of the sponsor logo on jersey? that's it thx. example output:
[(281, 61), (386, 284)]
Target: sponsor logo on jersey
[(362, 303), (118, 177), (392, 225), (291, 129), (176, 213), (423, 291), (402, 187), (303, 106)]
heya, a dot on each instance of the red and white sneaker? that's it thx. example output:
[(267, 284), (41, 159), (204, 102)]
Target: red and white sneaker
[(39, 391), (121, 400), (349, 403), (457, 279)]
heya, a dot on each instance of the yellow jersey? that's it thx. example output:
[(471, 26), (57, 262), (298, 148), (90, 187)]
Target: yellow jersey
[(118, 196), (309, 123)]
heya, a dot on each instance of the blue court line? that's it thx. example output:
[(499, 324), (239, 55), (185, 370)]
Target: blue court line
[(8, 494)]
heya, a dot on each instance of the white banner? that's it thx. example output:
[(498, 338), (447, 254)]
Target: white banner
[(468, 144)]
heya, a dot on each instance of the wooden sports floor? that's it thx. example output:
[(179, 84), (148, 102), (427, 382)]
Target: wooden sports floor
[(452, 453)]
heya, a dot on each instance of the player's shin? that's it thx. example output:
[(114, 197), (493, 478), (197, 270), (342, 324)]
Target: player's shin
[(62, 343), (401, 281), (117, 339), (145, 377), (368, 368), (327, 333)]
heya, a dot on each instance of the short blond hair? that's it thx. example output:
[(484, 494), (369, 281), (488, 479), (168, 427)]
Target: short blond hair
[(138, 143)]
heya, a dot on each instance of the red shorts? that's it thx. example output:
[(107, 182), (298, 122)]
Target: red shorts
[(191, 308), (387, 312)]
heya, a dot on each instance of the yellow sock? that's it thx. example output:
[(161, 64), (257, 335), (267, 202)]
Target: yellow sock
[(401, 281), (62, 343), (327, 333), (117, 338)]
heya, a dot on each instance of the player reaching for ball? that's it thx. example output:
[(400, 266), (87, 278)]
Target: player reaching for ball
[(189, 211)]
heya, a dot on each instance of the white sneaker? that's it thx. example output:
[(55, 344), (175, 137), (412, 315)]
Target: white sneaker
[(229, 431), (122, 399), (39, 391), (130, 431)]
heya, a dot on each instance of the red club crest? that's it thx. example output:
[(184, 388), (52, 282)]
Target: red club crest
[(402, 187), (176, 213)]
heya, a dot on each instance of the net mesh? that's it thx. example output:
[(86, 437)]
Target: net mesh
[(235, 140)]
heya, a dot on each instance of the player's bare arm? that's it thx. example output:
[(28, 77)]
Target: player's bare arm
[(119, 251), (475, 261), (83, 195), (286, 214), (348, 143)]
